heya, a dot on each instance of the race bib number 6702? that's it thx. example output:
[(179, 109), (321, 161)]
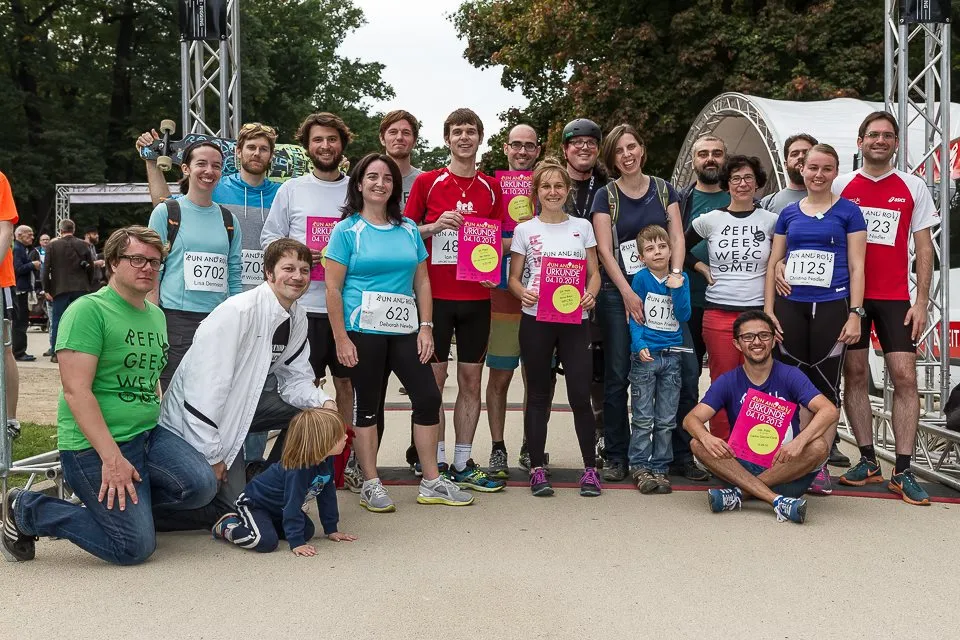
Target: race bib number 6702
[(204, 271)]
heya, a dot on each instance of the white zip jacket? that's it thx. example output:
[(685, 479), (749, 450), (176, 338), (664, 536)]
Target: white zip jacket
[(215, 390)]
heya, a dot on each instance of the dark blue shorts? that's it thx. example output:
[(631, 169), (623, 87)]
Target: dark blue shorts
[(794, 489)]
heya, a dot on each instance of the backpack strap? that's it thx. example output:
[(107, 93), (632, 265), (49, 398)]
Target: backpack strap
[(174, 216), (613, 201), (662, 191)]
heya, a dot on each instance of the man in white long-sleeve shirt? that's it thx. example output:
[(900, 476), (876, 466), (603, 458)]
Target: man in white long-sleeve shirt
[(306, 209), (219, 393)]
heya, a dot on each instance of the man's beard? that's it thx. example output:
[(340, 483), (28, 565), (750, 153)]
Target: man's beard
[(403, 155), (333, 165), (793, 173), (260, 170), (708, 175)]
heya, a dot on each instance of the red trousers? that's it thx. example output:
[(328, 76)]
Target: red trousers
[(723, 356)]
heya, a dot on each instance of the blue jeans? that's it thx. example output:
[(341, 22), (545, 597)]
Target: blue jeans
[(173, 476), (690, 367), (59, 305), (611, 315), (655, 390)]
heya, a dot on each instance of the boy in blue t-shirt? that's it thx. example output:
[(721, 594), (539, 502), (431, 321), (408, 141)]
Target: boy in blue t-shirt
[(655, 348)]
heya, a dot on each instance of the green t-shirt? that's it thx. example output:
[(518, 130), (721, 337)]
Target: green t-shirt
[(131, 345), (703, 203)]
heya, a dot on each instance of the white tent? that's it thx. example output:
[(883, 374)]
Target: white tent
[(758, 126)]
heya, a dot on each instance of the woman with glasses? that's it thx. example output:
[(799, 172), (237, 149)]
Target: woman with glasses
[(620, 210), (823, 238), (738, 243), (204, 265)]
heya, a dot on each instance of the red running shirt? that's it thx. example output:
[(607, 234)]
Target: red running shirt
[(895, 206), (435, 192)]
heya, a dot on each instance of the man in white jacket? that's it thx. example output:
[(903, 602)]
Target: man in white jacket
[(219, 392)]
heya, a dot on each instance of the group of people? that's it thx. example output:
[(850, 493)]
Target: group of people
[(222, 317)]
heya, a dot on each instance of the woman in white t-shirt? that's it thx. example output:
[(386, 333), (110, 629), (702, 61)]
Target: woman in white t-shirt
[(738, 237), (571, 243)]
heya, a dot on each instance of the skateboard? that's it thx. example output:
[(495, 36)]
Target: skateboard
[(289, 160)]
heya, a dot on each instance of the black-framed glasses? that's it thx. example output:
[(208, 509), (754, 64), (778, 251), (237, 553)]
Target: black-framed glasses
[(139, 262), (526, 146), (589, 143), (747, 179), (763, 336)]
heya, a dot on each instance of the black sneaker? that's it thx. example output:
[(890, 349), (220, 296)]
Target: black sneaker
[(614, 471), (15, 545), (837, 459), (691, 471), (413, 460)]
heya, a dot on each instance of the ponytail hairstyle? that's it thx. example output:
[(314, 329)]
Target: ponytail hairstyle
[(188, 156)]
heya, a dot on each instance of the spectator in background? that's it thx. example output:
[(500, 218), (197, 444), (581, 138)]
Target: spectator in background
[(40, 253), (66, 274), (26, 271), (92, 238)]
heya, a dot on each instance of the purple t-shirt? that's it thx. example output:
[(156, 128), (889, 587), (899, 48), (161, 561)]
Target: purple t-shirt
[(785, 382)]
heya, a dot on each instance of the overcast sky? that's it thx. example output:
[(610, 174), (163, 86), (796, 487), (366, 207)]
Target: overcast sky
[(424, 64)]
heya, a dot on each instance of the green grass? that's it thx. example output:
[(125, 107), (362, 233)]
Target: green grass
[(34, 439)]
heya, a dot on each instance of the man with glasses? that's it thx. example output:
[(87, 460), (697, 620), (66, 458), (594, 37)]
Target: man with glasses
[(898, 208), (581, 149), (522, 149), (125, 470), (800, 452)]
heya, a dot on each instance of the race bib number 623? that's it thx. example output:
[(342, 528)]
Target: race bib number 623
[(388, 312)]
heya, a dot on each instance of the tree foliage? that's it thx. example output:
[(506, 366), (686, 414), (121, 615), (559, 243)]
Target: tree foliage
[(79, 79), (656, 64)]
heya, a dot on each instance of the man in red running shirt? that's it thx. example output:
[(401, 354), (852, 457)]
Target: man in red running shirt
[(896, 206), (438, 202)]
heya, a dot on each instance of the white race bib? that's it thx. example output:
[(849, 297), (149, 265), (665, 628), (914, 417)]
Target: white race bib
[(810, 267), (389, 312), (882, 225), (252, 267), (204, 271), (631, 257), (658, 313), (445, 247)]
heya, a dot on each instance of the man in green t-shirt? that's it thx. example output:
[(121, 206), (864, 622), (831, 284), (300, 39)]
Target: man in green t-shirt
[(112, 346)]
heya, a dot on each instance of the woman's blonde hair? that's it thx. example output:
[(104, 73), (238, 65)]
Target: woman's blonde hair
[(312, 434)]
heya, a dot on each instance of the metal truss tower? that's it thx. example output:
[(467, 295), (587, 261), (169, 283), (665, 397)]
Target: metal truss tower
[(210, 66), (915, 88)]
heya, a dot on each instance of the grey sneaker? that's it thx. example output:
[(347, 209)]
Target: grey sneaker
[(645, 480), (373, 497), (443, 492), (352, 475), (498, 468)]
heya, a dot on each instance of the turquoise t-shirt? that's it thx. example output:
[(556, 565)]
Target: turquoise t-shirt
[(378, 258), (702, 203), (203, 269), (131, 349)]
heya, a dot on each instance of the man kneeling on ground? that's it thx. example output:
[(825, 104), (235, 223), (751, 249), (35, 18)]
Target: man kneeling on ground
[(112, 346), (247, 370), (800, 453)]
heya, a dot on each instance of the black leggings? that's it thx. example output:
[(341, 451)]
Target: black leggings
[(538, 340), (810, 332), (376, 355)]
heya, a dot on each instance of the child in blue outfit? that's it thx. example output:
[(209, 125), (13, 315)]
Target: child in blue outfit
[(655, 348), (271, 505)]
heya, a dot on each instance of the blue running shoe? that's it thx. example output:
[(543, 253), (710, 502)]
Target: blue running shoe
[(473, 477), (792, 509), (223, 526), (724, 499)]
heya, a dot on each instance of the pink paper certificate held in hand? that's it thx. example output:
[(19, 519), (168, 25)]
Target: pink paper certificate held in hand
[(761, 427)]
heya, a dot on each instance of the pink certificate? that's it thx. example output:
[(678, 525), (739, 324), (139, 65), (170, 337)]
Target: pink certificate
[(760, 428), (517, 200), (479, 250), (562, 282), (318, 236)]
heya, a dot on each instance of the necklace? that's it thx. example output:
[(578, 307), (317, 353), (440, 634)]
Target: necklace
[(463, 192)]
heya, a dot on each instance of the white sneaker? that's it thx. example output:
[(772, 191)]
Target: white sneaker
[(374, 497), (443, 492)]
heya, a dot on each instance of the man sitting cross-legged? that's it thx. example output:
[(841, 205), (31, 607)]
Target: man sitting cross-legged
[(801, 452)]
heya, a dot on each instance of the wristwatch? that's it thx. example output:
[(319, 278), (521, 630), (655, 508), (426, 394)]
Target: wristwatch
[(860, 311), (675, 272), (426, 324)]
